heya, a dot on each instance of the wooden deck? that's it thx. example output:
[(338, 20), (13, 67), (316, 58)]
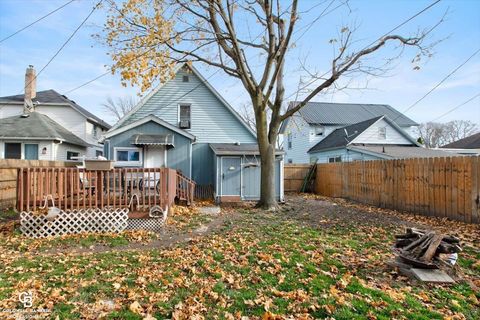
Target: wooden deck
[(138, 189)]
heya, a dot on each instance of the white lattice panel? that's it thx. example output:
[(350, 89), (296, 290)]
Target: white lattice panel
[(74, 221), (151, 224)]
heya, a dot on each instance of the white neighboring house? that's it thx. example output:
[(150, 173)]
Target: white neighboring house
[(317, 120), (35, 136), (58, 108), (374, 139)]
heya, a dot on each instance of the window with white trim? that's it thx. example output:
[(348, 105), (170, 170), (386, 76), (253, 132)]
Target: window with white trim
[(13, 150), (335, 159), (72, 155), (128, 156), (289, 141), (184, 116), (382, 133)]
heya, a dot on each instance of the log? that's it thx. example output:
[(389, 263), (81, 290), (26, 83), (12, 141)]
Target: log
[(417, 242), (451, 239), (419, 247), (432, 248)]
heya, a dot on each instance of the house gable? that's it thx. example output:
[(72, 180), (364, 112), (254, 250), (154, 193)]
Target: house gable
[(394, 134), (212, 119)]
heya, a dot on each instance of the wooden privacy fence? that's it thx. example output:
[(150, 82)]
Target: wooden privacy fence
[(294, 174), (8, 176), (74, 188), (442, 187)]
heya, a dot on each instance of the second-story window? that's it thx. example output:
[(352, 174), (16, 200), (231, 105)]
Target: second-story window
[(289, 141), (184, 116), (382, 133)]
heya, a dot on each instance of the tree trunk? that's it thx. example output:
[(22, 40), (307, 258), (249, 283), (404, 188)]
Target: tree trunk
[(266, 147), (268, 199)]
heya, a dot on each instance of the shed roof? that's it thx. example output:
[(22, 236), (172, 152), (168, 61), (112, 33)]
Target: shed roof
[(237, 149), (52, 96), (324, 113), (37, 126), (470, 142)]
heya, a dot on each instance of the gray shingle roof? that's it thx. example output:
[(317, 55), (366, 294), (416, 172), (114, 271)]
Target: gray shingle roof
[(341, 137), (37, 126), (348, 113), (401, 152), (51, 96), (236, 149), (470, 142)]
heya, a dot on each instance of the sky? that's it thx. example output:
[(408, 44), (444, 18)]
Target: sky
[(84, 58)]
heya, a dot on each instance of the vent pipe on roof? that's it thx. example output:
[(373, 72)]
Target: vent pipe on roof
[(30, 89)]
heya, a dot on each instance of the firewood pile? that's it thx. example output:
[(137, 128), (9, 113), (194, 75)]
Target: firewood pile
[(423, 249)]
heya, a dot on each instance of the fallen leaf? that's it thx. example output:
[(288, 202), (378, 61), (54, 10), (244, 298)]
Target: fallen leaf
[(135, 307)]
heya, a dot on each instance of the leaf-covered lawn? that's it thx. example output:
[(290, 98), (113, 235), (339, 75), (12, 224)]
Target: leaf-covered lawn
[(310, 261)]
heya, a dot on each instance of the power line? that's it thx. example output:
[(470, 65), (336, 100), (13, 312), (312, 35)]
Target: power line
[(64, 44), (307, 27), (441, 81), (373, 42), (88, 82), (39, 19), (455, 108), (105, 73)]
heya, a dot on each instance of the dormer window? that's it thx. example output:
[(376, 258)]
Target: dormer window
[(184, 116), (185, 79), (382, 133)]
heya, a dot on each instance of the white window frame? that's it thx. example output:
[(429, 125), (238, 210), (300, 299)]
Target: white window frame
[(382, 133), (289, 141), (22, 149), (335, 159), (128, 163), (178, 114), (75, 158)]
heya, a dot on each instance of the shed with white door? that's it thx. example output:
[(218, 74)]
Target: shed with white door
[(238, 168)]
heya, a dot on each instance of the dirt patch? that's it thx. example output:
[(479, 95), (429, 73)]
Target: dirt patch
[(326, 212)]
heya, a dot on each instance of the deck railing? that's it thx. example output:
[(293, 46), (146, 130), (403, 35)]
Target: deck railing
[(185, 188), (72, 188)]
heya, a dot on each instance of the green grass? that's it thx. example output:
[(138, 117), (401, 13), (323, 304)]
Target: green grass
[(264, 262), (8, 214)]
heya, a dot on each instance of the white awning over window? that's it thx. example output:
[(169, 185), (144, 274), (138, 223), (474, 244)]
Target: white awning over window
[(153, 139)]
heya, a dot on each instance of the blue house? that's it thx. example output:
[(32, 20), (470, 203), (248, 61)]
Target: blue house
[(317, 120), (185, 124), (373, 139)]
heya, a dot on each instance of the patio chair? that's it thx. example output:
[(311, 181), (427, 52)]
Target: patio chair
[(150, 181)]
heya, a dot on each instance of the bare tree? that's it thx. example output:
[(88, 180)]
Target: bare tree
[(120, 107), (246, 112), (434, 134), (147, 38), (459, 129)]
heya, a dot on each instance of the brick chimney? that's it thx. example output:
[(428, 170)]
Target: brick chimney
[(30, 88)]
